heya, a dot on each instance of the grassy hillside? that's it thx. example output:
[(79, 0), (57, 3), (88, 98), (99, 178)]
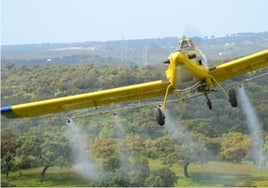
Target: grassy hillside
[(202, 175), (225, 174)]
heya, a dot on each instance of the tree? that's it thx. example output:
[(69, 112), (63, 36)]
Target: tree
[(48, 149), (192, 153), (154, 181), (203, 126), (119, 179), (235, 146), (161, 178), (113, 174), (192, 150), (140, 170), (8, 150), (104, 147), (135, 143), (124, 173), (111, 163)]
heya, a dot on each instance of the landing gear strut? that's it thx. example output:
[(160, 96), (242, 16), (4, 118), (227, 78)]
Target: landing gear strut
[(209, 103), (160, 116)]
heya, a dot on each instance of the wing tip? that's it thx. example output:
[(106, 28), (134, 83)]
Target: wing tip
[(7, 112)]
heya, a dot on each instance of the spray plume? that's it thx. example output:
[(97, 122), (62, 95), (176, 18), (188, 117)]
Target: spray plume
[(120, 132), (125, 153), (83, 164), (253, 123), (184, 137)]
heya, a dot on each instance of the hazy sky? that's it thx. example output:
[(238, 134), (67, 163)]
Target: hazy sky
[(38, 21)]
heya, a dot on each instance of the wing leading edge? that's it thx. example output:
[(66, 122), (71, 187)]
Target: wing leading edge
[(240, 66), (94, 99)]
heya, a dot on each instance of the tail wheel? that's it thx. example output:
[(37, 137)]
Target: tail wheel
[(160, 116), (232, 97)]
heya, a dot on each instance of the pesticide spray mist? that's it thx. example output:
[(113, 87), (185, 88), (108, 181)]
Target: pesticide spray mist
[(83, 164), (254, 125), (125, 153), (184, 137), (120, 132)]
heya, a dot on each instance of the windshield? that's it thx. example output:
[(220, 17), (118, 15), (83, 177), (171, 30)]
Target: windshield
[(185, 44)]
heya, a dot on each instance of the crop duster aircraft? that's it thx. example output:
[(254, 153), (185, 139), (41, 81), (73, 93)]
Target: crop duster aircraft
[(186, 71)]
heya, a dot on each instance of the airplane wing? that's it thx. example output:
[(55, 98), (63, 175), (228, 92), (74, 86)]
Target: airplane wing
[(240, 66), (94, 99)]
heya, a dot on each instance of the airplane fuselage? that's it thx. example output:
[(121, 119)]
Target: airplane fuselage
[(186, 66)]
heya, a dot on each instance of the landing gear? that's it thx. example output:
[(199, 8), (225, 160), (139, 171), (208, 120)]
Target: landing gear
[(160, 116), (209, 103), (232, 97)]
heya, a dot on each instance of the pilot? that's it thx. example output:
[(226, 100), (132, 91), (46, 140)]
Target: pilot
[(184, 44)]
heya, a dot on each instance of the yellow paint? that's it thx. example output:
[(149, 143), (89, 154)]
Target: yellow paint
[(94, 99), (179, 68), (240, 66)]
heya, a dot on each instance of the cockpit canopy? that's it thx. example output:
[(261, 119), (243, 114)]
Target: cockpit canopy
[(186, 43)]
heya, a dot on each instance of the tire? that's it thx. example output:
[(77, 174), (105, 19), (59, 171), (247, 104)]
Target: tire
[(160, 117), (232, 97)]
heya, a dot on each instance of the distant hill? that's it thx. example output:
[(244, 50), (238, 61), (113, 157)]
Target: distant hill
[(141, 52)]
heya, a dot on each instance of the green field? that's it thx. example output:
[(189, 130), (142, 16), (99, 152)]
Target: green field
[(224, 174), (216, 174)]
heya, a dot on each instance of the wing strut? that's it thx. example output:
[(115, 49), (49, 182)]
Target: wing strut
[(159, 112), (166, 97), (220, 86)]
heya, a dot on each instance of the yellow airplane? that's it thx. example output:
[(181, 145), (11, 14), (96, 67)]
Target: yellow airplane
[(187, 71)]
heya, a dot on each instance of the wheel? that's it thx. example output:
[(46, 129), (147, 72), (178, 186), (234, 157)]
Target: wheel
[(160, 116), (232, 97)]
